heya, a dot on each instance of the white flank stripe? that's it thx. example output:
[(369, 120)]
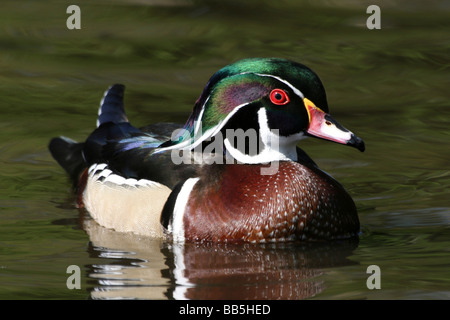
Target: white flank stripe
[(177, 226)]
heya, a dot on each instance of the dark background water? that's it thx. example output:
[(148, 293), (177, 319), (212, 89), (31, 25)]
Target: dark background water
[(389, 86)]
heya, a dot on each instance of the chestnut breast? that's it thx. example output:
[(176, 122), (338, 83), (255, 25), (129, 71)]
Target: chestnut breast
[(235, 202)]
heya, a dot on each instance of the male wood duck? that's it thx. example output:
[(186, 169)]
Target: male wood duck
[(198, 183)]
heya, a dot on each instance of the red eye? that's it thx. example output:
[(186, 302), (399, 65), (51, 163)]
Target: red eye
[(279, 97)]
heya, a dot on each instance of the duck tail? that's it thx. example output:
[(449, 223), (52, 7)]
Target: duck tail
[(75, 156), (69, 155), (112, 107)]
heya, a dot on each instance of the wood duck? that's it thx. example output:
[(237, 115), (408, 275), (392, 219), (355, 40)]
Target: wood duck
[(232, 173)]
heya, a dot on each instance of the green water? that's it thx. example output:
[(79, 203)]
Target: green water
[(389, 86)]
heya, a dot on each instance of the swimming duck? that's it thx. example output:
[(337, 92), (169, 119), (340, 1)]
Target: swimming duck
[(231, 173)]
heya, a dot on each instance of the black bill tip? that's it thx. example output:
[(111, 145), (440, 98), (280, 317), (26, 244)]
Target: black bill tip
[(357, 143)]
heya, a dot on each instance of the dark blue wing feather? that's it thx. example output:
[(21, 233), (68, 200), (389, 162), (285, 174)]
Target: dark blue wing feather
[(126, 150), (112, 107)]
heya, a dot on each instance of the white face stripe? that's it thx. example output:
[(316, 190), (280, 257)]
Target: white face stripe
[(285, 146), (214, 130), (188, 144), (176, 227), (296, 91), (275, 147), (200, 115)]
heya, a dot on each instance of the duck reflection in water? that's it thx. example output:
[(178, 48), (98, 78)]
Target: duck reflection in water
[(136, 267)]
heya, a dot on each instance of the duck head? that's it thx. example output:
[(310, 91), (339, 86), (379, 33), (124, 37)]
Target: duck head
[(283, 101)]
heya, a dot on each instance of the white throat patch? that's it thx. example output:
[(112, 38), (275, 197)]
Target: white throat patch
[(274, 147)]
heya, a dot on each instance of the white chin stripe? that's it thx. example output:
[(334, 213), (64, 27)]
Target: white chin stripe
[(274, 148), (100, 173)]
